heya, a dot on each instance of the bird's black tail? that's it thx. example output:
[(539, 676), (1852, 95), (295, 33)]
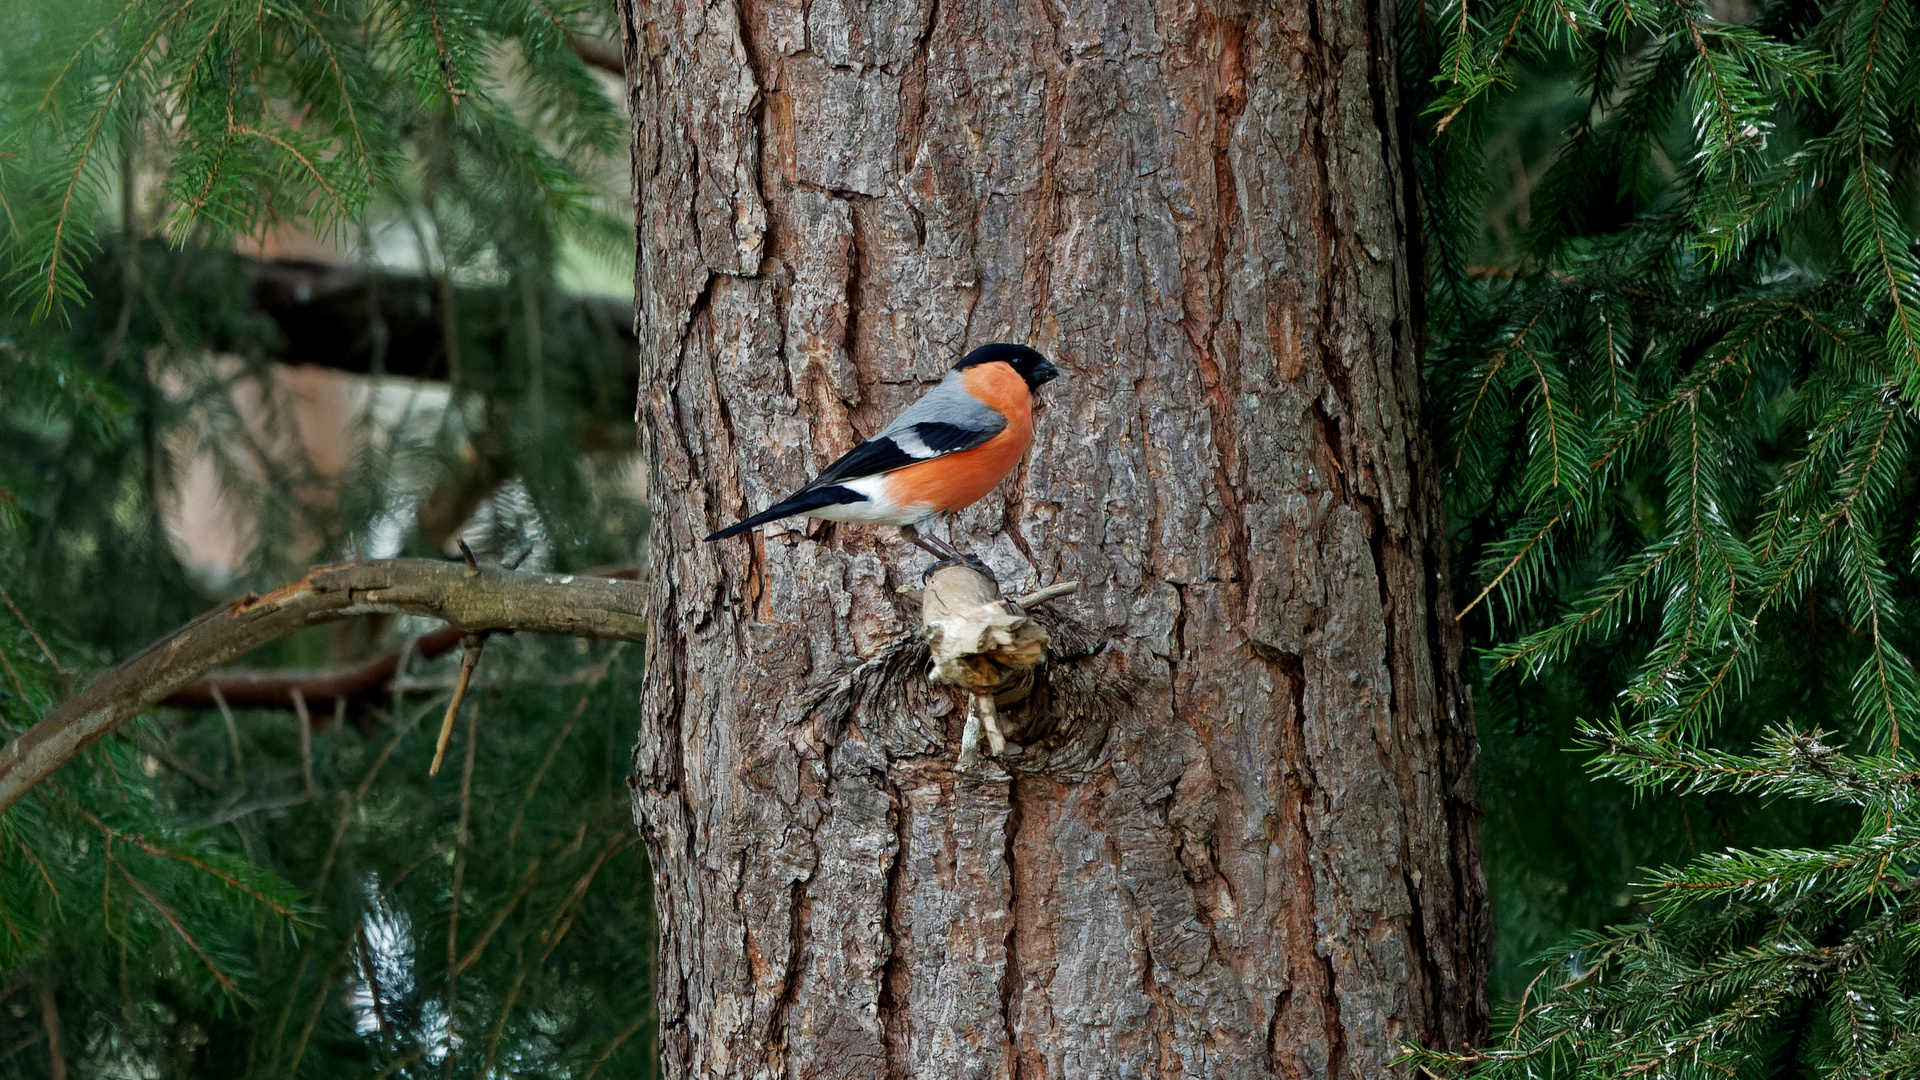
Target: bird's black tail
[(772, 513), (829, 495)]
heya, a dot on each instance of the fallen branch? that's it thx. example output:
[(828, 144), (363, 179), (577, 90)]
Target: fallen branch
[(491, 600)]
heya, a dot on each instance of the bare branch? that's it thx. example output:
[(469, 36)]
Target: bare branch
[(273, 689), (460, 860), (575, 606), (527, 882), (553, 751), (615, 1045)]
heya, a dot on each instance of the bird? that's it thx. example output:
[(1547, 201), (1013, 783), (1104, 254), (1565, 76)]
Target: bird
[(945, 452)]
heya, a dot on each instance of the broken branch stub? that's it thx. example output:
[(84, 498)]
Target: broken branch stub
[(984, 644)]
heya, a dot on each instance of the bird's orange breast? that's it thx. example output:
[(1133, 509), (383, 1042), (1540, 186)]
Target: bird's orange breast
[(947, 484)]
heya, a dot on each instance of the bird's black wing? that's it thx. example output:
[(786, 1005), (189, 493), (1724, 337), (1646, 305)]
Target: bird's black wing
[(903, 445)]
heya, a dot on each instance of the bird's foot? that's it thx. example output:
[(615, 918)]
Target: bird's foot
[(945, 554), (961, 558)]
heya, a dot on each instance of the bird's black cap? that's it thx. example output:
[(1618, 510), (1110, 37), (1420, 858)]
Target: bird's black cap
[(1030, 364)]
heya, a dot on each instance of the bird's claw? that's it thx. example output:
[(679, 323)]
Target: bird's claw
[(959, 558)]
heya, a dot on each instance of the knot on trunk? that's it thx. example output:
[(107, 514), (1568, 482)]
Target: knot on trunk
[(984, 644)]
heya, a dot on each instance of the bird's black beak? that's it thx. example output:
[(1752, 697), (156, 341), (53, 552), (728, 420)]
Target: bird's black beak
[(1044, 372)]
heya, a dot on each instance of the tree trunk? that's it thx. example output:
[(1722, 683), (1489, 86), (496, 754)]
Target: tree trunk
[(1242, 839)]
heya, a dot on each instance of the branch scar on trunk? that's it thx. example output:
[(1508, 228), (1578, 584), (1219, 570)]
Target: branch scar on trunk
[(987, 646)]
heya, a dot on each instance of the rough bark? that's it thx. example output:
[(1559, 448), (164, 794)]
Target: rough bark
[(1242, 839)]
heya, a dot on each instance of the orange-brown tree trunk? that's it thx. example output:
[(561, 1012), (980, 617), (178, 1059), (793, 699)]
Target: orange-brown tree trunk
[(1241, 839)]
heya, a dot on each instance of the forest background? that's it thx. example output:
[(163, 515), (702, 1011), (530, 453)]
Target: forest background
[(291, 284)]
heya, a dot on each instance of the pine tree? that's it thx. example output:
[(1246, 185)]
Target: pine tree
[(280, 888), (1681, 348)]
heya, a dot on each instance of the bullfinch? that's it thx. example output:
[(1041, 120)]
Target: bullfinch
[(948, 450)]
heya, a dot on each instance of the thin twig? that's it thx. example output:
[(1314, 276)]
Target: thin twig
[(42, 867), (320, 996), (63, 220), (500, 1025), (143, 844), (14, 675), (527, 882), (346, 95), (50, 1020), (272, 688), (279, 802), (1040, 596), (164, 756), (312, 169), (605, 55), (460, 871), (293, 994), (447, 69), (226, 981), (54, 84), (556, 927), (1508, 569), (37, 640), (21, 1045), (233, 729), (306, 739), (540, 774), (400, 666), (346, 812), (1496, 362), (386, 889), (615, 1045), (106, 886), (469, 659), (370, 975)]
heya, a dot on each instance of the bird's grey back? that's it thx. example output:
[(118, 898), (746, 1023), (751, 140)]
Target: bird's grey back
[(949, 403)]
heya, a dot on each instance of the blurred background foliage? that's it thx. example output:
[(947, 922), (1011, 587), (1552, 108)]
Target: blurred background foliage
[(291, 283)]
